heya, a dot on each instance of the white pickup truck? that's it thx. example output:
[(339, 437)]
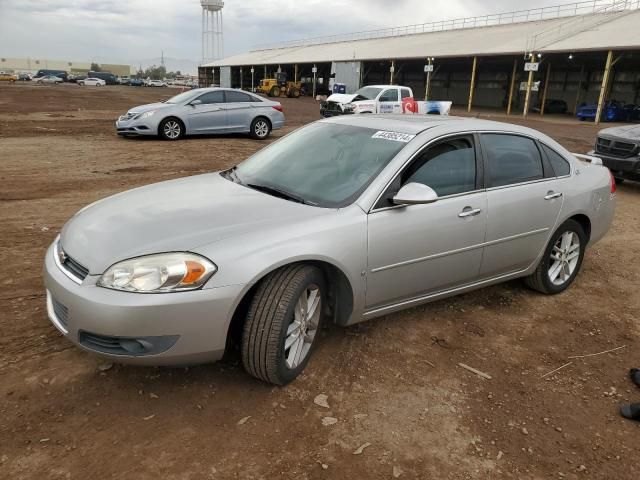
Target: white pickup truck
[(370, 99)]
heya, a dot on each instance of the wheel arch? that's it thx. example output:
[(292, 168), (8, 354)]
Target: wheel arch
[(341, 295), (585, 223)]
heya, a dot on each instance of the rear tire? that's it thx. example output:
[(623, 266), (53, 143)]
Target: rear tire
[(561, 260), (171, 129), (274, 92), (282, 325), (260, 128)]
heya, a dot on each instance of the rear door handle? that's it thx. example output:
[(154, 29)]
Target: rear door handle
[(469, 212), (551, 195)]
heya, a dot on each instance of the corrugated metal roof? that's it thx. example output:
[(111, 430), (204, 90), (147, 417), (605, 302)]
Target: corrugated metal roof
[(593, 32)]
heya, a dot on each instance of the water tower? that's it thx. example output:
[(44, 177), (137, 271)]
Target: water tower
[(212, 39)]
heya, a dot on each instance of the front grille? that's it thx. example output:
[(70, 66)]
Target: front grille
[(616, 148), (74, 268), (61, 312)]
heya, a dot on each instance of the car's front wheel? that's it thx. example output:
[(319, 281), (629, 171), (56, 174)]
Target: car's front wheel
[(283, 322), (260, 128), (171, 129), (561, 260)]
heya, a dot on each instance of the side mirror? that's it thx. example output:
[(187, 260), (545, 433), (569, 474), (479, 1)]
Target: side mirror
[(415, 194), (195, 102)]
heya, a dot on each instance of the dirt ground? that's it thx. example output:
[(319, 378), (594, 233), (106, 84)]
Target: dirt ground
[(392, 384)]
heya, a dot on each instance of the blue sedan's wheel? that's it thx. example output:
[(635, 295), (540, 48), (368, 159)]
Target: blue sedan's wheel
[(283, 322)]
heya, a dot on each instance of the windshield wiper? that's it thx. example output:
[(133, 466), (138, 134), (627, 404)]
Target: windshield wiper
[(276, 192)]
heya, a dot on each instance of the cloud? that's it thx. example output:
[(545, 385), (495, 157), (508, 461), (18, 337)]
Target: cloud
[(131, 30)]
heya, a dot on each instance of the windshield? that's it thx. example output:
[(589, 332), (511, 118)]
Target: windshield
[(370, 93), (323, 164), (182, 97)]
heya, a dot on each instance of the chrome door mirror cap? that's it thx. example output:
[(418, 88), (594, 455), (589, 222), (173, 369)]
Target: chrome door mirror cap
[(415, 194)]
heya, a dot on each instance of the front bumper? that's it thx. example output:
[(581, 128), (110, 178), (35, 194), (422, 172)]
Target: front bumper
[(182, 328), (620, 167), (135, 128)]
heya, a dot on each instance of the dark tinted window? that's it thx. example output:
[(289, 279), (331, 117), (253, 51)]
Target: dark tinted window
[(212, 97), (390, 95), (405, 93), (511, 159), (233, 97), (448, 167), (560, 165)]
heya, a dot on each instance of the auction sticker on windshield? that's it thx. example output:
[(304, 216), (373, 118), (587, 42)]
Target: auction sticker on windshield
[(395, 136)]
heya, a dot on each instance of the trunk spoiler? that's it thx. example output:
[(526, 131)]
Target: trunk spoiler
[(588, 158)]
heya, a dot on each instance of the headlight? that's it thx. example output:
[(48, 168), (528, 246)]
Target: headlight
[(146, 114), (166, 272), (349, 107)]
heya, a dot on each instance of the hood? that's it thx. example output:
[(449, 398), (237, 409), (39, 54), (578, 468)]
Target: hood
[(149, 106), (341, 98), (178, 215), (627, 132)]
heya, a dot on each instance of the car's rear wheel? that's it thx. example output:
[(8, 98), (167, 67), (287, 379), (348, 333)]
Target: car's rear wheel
[(283, 322), (171, 129), (561, 260), (260, 128)]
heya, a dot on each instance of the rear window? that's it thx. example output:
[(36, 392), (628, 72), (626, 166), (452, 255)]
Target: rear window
[(560, 166), (237, 97), (511, 159)]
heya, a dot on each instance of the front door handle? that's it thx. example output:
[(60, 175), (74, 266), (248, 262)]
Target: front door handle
[(469, 212), (551, 195)]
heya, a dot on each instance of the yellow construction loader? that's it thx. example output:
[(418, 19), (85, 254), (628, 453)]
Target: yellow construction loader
[(279, 87)]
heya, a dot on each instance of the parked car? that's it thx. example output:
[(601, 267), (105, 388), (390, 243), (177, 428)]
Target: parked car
[(52, 79), (333, 222), (108, 77), (156, 83), (204, 111), (612, 111), (124, 80), (94, 82), (553, 106), (619, 149), (136, 82), (24, 77), (7, 77), (371, 99), (63, 74)]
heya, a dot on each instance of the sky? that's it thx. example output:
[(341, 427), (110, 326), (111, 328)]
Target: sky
[(137, 31)]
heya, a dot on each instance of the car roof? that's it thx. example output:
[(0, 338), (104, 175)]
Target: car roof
[(415, 124)]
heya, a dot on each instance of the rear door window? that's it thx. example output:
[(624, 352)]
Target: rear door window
[(511, 159), (406, 93), (238, 97), (390, 95)]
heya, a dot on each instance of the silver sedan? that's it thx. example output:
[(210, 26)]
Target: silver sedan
[(343, 220), (204, 111)]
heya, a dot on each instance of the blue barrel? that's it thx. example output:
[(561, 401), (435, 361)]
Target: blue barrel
[(339, 88)]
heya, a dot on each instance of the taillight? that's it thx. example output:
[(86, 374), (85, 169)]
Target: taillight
[(613, 182), (277, 107)]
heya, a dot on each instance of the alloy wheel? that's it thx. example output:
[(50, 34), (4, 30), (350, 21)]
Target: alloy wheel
[(172, 129), (261, 129), (304, 326), (564, 258)]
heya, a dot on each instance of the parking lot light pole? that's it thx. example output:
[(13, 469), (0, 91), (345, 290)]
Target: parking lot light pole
[(253, 88), (295, 73), (391, 70), (428, 86), (513, 84), (473, 83), (315, 74), (527, 96)]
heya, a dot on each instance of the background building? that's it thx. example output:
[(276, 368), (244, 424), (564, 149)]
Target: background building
[(32, 65)]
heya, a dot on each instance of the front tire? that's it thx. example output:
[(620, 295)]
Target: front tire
[(561, 260), (283, 322), (275, 92), (260, 128), (171, 129)]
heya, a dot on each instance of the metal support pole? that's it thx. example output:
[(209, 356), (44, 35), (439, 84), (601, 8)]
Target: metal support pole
[(265, 71), (315, 74), (527, 96), (473, 83), (203, 36), (428, 86), (295, 73), (544, 92), (603, 87), (513, 84), (392, 69), (241, 84), (253, 88)]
